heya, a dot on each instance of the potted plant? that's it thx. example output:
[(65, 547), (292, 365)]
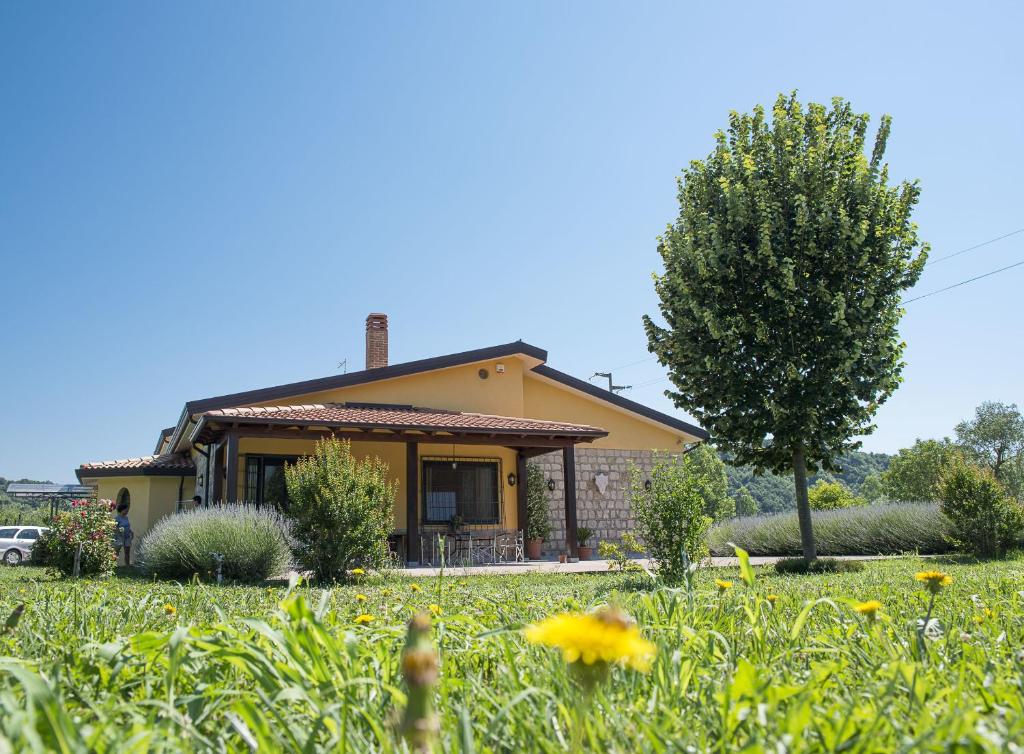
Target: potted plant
[(455, 524), (583, 537), (538, 516)]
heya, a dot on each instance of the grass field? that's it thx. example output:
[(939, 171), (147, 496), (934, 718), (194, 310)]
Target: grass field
[(788, 665)]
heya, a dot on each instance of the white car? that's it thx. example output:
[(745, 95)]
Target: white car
[(16, 542)]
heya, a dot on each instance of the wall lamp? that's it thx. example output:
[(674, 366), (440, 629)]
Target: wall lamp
[(551, 485), (511, 479)]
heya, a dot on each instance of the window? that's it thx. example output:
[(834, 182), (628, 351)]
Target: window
[(264, 480), (7, 533), (28, 534), (467, 488)]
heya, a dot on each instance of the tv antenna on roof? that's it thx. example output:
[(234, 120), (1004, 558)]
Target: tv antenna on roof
[(343, 366), (612, 388)]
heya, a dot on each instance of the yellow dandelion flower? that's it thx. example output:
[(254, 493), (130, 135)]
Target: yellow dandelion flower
[(415, 588), (435, 609), (979, 619), (360, 598), (363, 619), (357, 572), (773, 598), (723, 585), (603, 637), (868, 609), (169, 609), (934, 580)]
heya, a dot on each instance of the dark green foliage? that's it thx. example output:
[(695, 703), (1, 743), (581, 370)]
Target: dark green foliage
[(774, 493), (884, 529), (342, 510), (704, 463), (986, 520), (538, 514), (18, 513), (914, 473), (791, 566), (781, 288)]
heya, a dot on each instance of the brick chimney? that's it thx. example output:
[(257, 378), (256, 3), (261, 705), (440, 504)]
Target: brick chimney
[(376, 341)]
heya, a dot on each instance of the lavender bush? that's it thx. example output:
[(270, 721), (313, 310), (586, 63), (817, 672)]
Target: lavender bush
[(865, 530)]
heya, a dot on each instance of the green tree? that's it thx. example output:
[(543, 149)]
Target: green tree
[(995, 439), (746, 505), (871, 488), (342, 510), (914, 473), (671, 516), (709, 474), (830, 496), (781, 288), (985, 520)]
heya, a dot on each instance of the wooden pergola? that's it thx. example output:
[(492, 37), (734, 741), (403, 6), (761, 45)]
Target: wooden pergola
[(221, 431)]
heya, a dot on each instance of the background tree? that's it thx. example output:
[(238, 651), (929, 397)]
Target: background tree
[(708, 472), (914, 473), (830, 496), (781, 289), (746, 505), (995, 438), (871, 488)]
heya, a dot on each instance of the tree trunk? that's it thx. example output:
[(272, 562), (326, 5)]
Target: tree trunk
[(803, 506)]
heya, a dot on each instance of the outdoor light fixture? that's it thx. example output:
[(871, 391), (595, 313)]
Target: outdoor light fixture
[(647, 485), (551, 485), (511, 479)]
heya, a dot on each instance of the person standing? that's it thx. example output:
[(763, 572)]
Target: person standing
[(123, 534)]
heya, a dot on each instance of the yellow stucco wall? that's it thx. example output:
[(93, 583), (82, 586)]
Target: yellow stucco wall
[(152, 497), (626, 430)]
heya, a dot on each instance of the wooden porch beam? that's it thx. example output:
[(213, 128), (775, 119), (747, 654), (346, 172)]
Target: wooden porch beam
[(569, 472), (232, 464), (528, 442), (522, 512), (412, 512)]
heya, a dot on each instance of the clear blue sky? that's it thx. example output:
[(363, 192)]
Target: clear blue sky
[(198, 198)]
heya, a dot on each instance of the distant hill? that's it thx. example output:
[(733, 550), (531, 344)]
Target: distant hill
[(775, 493)]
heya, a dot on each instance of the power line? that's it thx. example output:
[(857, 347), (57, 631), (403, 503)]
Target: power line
[(634, 363), (965, 282), (972, 248)]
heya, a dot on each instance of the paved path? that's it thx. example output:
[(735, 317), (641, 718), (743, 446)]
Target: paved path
[(586, 566)]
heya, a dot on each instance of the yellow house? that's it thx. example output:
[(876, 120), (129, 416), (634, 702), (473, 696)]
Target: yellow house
[(456, 432)]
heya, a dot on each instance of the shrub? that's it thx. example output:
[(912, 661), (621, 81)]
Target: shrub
[(986, 521), (820, 565), (710, 478), (254, 543), (864, 530), (538, 513), (87, 523), (830, 496), (670, 515), (341, 509)]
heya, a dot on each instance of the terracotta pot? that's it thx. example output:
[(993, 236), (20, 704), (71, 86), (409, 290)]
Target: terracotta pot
[(563, 558), (586, 553), (533, 548)]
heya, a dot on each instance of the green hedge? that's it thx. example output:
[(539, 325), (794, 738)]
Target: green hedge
[(865, 530)]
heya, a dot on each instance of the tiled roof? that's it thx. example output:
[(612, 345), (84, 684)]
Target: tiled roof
[(402, 417), (167, 461)]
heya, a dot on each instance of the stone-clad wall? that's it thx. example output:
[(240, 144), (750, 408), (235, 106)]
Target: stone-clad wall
[(607, 514)]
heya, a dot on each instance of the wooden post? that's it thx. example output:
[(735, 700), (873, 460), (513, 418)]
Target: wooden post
[(412, 509), (232, 474), (569, 472), (522, 513), (217, 470)]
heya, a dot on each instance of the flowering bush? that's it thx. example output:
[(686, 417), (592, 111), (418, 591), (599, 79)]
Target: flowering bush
[(88, 524)]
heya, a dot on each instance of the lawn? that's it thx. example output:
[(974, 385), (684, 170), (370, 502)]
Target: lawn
[(788, 665)]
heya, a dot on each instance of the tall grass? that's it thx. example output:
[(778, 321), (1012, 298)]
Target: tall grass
[(865, 530), (254, 543), (131, 666)]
